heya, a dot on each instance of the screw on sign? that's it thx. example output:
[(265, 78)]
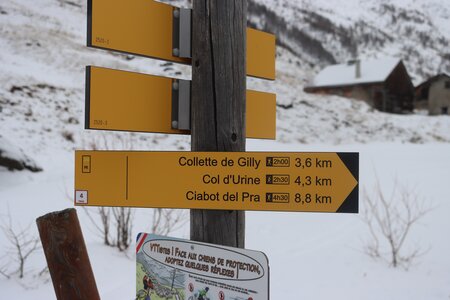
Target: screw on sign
[(221, 296), (191, 287)]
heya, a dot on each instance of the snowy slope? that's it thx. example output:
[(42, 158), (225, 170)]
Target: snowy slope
[(312, 256), (42, 62), (324, 32)]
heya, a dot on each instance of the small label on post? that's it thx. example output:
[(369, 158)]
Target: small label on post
[(81, 197)]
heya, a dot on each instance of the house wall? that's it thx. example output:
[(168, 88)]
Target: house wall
[(373, 94), (421, 104), (439, 96), (400, 90), (421, 97), (395, 95), (361, 93)]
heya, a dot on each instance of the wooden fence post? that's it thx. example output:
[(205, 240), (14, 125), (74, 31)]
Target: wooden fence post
[(67, 257), (218, 102)]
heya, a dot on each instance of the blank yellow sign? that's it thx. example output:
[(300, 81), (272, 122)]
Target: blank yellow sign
[(260, 54), (119, 100), (272, 181), (144, 27)]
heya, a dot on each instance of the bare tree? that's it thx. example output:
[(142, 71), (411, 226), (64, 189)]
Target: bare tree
[(165, 221), (108, 141), (115, 224), (22, 243), (124, 227), (104, 213), (105, 216), (4, 269), (390, 220)]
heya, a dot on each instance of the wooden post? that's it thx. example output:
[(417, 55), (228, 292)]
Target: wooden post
[(67, 257), (218, 102)]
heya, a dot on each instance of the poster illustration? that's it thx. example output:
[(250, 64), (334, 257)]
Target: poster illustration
[(176, 269)]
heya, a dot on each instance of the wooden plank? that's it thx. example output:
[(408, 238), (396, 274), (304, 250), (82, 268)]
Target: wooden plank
[(67, 257)]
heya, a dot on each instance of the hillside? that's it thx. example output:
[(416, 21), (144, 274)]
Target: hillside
[(43, 56), (325, 32), (312, 255)]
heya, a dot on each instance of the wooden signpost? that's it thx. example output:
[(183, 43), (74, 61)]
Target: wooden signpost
[(214, 108), (218, 180), (218, 103)]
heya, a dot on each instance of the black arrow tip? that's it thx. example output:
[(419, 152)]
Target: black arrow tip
[(351, 161)]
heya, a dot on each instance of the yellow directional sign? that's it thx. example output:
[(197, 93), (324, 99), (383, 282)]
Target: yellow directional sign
[(119, 100), (313, 182), (144, 27)]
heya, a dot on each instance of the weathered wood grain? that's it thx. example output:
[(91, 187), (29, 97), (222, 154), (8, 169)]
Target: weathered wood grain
[(218, 102), (67, 257)]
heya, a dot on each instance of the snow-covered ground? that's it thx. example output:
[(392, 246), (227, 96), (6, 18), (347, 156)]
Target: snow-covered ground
[(312, 256)]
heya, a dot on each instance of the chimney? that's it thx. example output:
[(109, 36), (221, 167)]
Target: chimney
[(357, 68)]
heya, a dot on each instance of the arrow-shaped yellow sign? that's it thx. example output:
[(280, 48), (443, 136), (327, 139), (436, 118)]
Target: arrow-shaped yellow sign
[(313, 182)]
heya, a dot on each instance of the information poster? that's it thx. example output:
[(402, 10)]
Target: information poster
[(175, 269)]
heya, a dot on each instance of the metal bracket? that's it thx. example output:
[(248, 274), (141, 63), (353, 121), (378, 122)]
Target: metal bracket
[(181, 37), (181, 104)]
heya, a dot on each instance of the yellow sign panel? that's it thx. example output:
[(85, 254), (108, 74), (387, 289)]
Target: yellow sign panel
[(261, 115), (313, 182), (119, 100), (260, 54), (144, 27)]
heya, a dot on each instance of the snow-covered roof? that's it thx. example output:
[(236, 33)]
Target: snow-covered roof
[(432, 79), (376, 70)]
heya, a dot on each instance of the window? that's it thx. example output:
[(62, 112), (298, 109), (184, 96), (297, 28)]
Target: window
[(444, 110), (447, 84)]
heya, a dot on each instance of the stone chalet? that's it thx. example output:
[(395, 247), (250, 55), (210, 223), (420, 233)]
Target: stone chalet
[(383, 83), (434, 95)]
